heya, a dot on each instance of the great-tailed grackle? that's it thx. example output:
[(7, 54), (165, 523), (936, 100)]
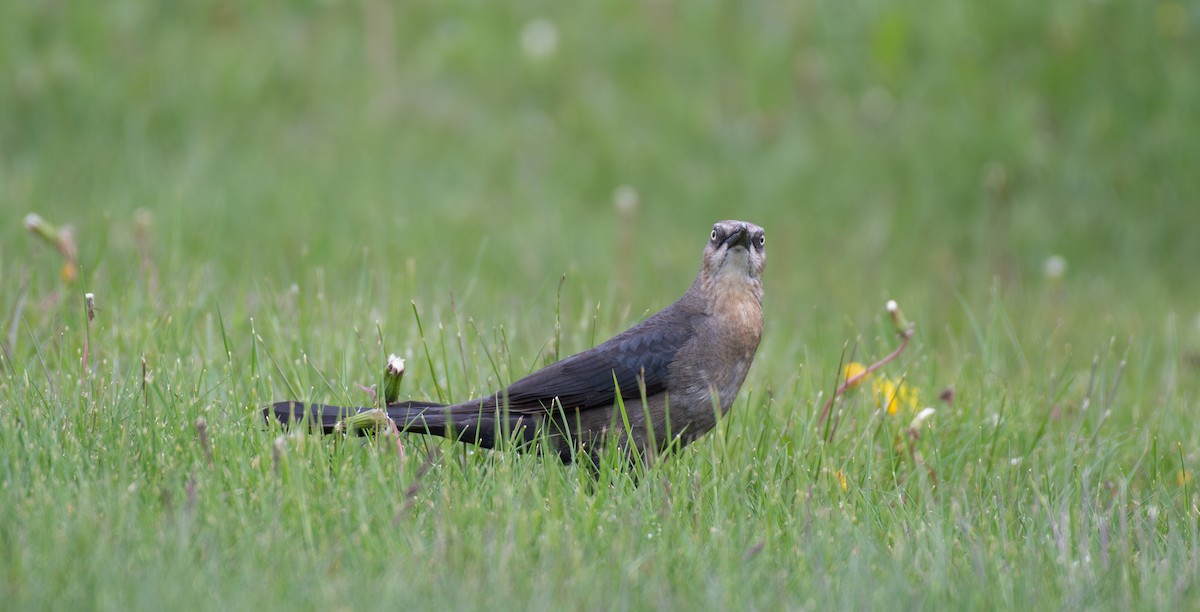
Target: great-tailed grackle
[(688, 362)]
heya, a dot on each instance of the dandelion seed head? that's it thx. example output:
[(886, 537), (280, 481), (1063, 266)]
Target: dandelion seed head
[(625, 198), (539, 39), (1054, 267)]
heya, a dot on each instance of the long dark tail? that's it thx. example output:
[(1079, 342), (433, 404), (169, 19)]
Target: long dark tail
[(460, 422)]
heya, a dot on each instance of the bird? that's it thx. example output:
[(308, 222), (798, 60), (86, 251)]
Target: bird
[(655, 387)]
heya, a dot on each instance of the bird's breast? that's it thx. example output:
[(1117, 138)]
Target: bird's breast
[(736, 316)]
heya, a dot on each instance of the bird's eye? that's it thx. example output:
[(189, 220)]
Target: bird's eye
[(762, 240), (713, 236)]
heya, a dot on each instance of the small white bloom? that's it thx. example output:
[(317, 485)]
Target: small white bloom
[(625, 198), (395, 364), (539, 39), (921, 417), (892, 306), (1054, 267)]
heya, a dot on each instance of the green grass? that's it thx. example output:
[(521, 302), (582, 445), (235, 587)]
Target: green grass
[(318, 173)]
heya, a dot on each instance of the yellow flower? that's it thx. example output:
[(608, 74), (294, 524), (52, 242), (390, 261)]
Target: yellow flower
[(841, 479), (854, 369), (68, 272), (892, 395), (1185, 477)]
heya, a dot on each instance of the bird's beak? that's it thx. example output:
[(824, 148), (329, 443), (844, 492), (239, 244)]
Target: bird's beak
[(739, 237)]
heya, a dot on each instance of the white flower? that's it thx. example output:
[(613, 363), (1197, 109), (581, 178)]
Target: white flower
[(395, 364), (625, 198), (539, 39), (921, 417), (1054, 267)]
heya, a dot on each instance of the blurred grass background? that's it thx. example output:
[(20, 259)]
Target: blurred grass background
[(319, 167)]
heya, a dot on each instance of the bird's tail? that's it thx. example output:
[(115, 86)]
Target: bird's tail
[(462, 422), (328, 417)]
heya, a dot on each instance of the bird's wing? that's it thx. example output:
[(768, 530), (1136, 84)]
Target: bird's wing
[(590, 379)]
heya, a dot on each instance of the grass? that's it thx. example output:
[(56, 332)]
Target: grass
[(326, 183)]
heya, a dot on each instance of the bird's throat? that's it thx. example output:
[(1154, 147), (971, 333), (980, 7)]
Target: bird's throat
[(736, 298)]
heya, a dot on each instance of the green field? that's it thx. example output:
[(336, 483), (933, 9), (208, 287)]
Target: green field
[(269, 198)]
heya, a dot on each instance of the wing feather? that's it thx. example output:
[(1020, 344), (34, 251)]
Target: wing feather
[(590, 379)]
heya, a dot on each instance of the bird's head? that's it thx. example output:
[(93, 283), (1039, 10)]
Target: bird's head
[(735, 255)]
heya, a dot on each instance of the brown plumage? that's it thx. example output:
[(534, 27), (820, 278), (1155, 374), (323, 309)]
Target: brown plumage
[(688, 361)]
